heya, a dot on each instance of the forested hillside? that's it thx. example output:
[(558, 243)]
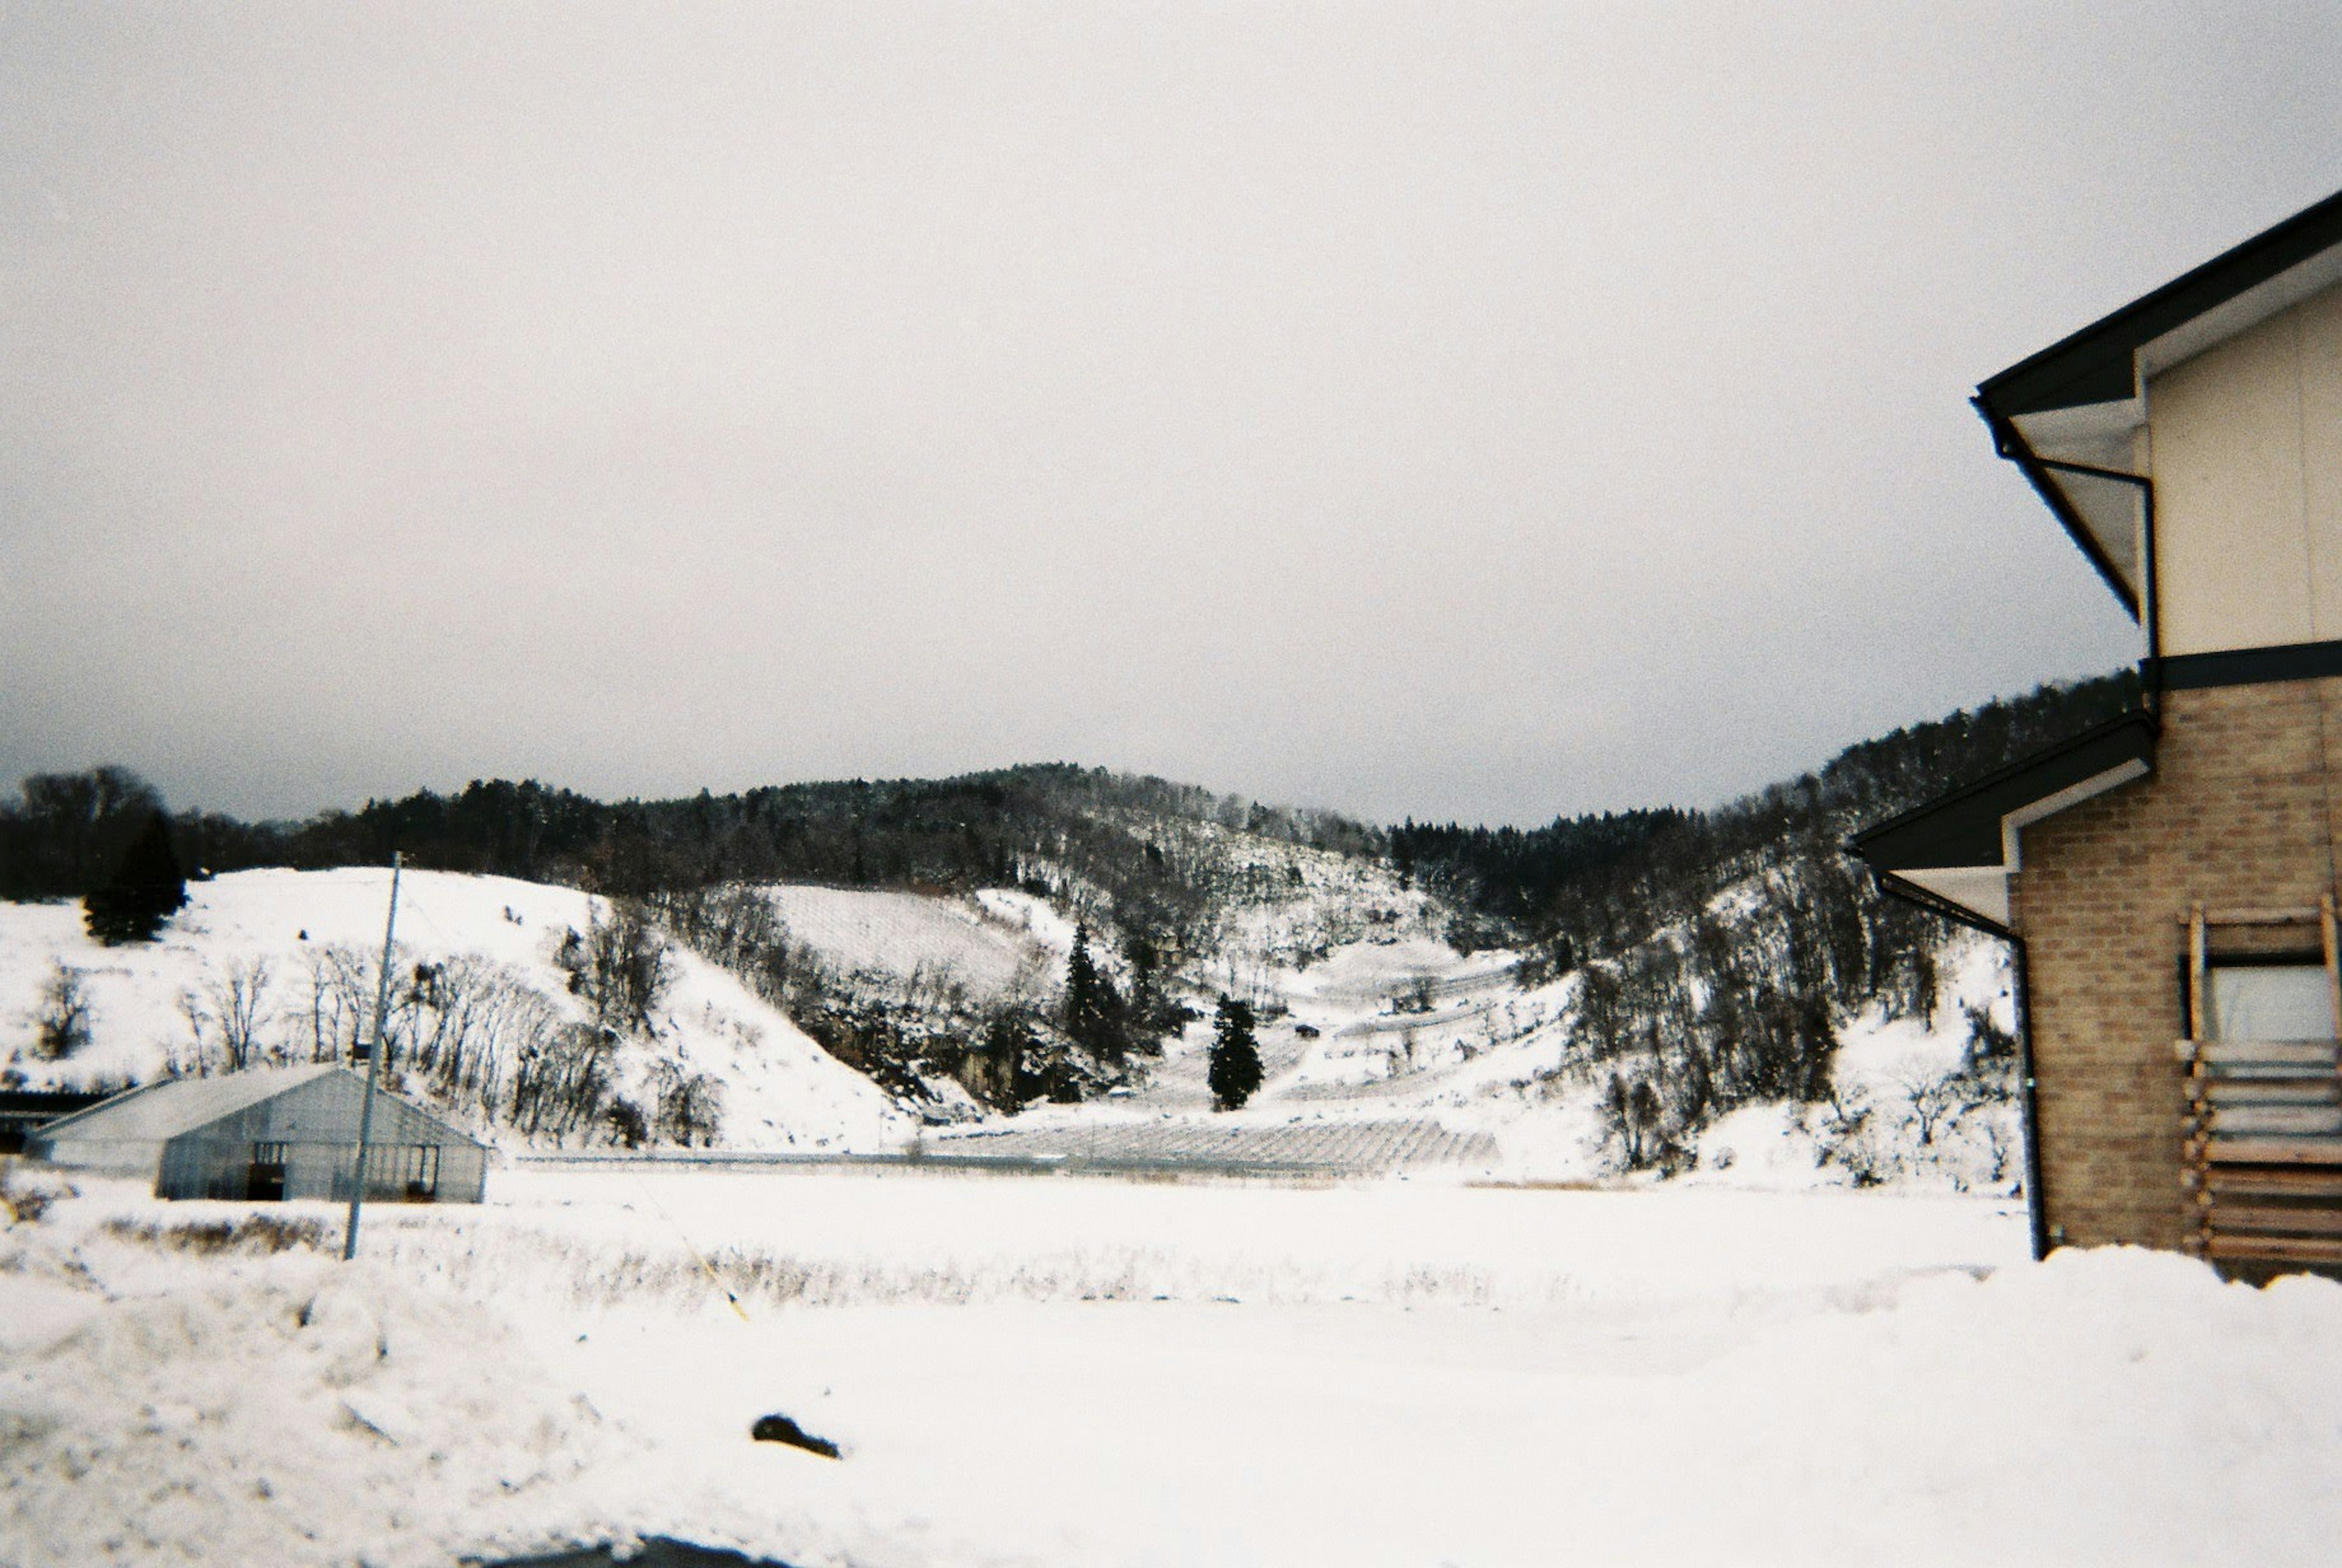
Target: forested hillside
[(1722, 951), (1085, 837), (1716, 951)]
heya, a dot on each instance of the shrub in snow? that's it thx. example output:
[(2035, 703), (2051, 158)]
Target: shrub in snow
[(61, 1025), (25, 1196), (257, 1233)]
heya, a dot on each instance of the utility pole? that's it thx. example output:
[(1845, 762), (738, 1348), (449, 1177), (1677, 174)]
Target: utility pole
[(373, 1064)]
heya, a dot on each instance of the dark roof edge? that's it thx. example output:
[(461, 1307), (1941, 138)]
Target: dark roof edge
[(1967, 810), (2082, 367)]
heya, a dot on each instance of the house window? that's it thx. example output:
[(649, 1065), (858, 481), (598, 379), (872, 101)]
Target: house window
[(2285, 1000)]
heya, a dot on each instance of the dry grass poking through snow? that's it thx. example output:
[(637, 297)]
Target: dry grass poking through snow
[(256, 1233), (578, 1271)]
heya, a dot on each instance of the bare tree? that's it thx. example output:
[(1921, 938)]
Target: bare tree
[(340, 994), (203, 1055), (472, 1019), (563, 1081), (621, 966), (239, 1009), (61, 1024), (1938, 1101)]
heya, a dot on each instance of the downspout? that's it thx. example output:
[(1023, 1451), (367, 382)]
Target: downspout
[(2036, 1212)]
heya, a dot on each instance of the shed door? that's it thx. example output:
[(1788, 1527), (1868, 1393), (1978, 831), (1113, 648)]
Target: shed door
[(264, 1181), (423, 1174)]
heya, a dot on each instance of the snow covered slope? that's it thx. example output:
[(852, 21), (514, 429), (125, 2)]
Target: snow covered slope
[(282, 934), (1404, 1051), (987, 943)]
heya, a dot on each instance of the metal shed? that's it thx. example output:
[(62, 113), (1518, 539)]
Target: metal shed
[(269, 1133)]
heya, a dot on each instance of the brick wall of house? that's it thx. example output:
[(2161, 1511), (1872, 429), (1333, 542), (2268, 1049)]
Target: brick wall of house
[(2239, 812)]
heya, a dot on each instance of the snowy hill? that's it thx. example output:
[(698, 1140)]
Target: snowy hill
[(993, 943), (279, 965), (1381, 1051), (1718, 995)]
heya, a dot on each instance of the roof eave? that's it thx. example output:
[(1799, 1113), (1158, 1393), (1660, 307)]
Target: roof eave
[(2096, 363), (2010, 442), (1973, 829)]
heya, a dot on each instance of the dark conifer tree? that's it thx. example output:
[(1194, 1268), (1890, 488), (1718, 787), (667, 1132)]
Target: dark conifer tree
[(1094, 1010), (146, 889), (1235, 1056)]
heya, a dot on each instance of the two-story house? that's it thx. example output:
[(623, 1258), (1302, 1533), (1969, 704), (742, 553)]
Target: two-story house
[(2167, 880)]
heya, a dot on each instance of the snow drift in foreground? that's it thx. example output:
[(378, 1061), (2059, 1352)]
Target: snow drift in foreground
[(1663, 1377)]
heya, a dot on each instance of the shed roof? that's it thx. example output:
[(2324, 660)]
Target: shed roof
[(166, 1110)]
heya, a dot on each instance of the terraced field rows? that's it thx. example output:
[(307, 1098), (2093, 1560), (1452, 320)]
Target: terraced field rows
[(1358, 1146)]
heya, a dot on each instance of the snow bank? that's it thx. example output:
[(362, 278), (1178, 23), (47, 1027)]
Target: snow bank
[(1406, 1375), (282, 1410), (2109, 1405)]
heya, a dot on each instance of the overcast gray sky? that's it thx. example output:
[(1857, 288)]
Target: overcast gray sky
[(1456, 410)]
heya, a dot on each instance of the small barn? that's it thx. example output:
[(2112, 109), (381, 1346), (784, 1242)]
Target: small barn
[(269, 1133)]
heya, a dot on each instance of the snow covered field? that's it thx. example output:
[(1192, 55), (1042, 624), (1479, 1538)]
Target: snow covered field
[(1062, 1371), (987, 942)]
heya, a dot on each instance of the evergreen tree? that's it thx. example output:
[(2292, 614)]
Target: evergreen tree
[(147, 890), (1094, 1010), (1235, 1056)]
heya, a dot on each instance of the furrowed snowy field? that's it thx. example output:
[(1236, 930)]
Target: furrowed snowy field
[(1078, 1372)]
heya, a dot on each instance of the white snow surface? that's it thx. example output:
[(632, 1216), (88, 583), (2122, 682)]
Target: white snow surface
[(1060, 1371), (782, 1091), (991, 943)]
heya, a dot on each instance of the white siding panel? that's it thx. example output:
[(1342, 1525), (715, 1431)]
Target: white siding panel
[(2233, 555)]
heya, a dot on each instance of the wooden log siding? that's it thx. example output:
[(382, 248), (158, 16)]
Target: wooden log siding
[(2261, 1140)]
